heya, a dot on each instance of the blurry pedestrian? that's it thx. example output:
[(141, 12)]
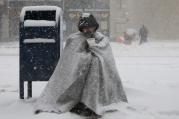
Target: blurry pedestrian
[(143, 34)]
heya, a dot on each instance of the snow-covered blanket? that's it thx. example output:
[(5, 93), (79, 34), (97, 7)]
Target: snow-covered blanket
[(86, 72)]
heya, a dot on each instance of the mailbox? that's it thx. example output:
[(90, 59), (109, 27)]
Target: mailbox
[(40, 44)]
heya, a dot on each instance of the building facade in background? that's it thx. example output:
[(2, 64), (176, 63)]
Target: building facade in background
[(161, 17), (72, 10)]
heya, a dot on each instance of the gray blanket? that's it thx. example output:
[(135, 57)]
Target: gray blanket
[(85, 73)]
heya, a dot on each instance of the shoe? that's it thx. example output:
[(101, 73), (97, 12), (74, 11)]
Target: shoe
[(37, 111), (78, 108), (90, 114), (83, 110)]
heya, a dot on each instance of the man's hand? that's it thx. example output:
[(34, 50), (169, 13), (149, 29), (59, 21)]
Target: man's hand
[(98, 36), (91, 42), (99, 40)]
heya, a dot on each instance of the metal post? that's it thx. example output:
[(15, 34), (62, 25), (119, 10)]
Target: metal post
[(21, 89), (29, 89)]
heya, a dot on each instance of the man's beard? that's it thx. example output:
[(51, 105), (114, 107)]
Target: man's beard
[(89, 34)]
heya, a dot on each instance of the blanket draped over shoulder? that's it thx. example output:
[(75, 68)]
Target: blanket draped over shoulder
[(86, 72)]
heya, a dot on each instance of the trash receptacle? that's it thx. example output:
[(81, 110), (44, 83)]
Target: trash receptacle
[(40, 44)]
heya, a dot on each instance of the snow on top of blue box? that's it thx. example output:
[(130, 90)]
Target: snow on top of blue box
[(41, 8)]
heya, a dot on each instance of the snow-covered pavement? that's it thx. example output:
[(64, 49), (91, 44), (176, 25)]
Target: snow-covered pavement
[(150, 75)]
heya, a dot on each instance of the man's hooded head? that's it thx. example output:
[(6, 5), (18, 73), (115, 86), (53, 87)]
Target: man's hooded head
[(87, 20)]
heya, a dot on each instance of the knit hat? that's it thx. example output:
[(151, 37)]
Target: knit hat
[(87, 20)]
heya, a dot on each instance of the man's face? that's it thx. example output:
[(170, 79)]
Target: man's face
[(89, 30)]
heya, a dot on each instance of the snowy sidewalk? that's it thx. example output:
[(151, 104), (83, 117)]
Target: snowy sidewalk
[(9, 48), (149, 74)]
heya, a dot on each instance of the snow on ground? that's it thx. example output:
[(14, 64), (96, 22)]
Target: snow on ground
[(149, 73), (9, 48)]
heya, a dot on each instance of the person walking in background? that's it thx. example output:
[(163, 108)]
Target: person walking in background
[(143, 34)]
